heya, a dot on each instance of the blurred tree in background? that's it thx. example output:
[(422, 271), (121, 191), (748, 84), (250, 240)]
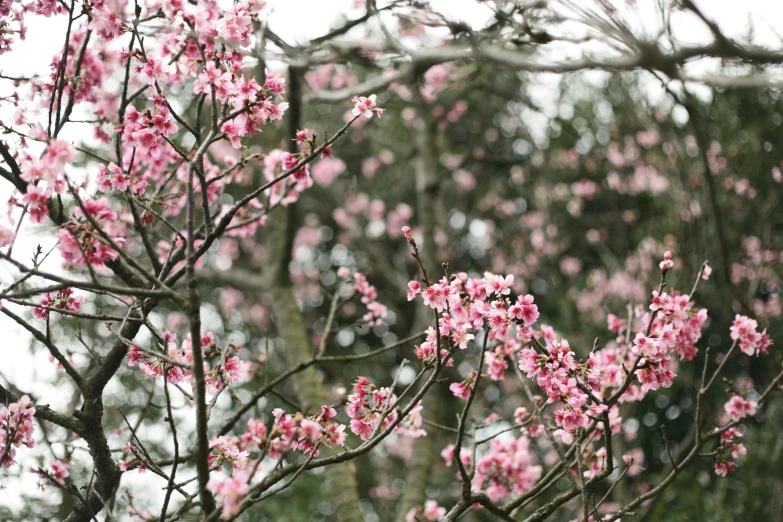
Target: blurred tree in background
[(573, 182)]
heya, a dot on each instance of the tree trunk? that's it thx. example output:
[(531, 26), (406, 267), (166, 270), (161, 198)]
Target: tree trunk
[(427, 184), (279, 236)]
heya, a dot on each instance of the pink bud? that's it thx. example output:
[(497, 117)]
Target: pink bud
[(406, 231)]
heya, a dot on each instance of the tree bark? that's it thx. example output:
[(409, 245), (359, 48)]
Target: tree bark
[(427, 185), (279, 235)]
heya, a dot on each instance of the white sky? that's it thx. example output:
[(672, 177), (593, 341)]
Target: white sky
[(297, 21)]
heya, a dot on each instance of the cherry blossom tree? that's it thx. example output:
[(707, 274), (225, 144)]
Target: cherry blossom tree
[(254, 274)]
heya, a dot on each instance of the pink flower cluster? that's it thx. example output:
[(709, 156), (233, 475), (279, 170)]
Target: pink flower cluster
[(251, 101), (36, 201), (375, 310), (154, 368), (287, 433), (147, 130), (462, 389), (229, 369), (675, 329), (362, 216), (558, 374), (366, 405), (751, 342), (107, 19), (497, 359), (723, 466), (113, 177), (410, 426), (236, 25), (285, 191), (62, 300), (229, 492), (738, 408), (232, 370), (12, 14), (57, 472), (686, 326), (317, 430), (16, 428), (448, 455), (80, 243), (429, 512), (225, 449), (464, 305), (49, 168), (508, 467), (366, 106)]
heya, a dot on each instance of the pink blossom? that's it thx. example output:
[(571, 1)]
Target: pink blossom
[(37, 200), (365, 404), (275, 83), (723, 468), (414, 289), (737, 408), (301, 136), (16, 428), (521, 415), (62, 300), (112, 177), (644, 345), (430, 512), (311, 430), (362, 428), (227, 448), (6, 236), (58, 471), (496, 366), (435, 296), (229, 492), (507, 468), (660, 302), (365, 106), (256, 432), (524, 309), (461, 336), (236, 25), (334, 434), (410, 426), (234, 132), (327, 169), (750, 341), (499, 284), (570, 420), (460, 390), (447, 454)]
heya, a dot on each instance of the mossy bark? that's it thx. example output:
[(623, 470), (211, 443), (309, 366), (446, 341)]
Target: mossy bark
[(425, 167), (279, 234)]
